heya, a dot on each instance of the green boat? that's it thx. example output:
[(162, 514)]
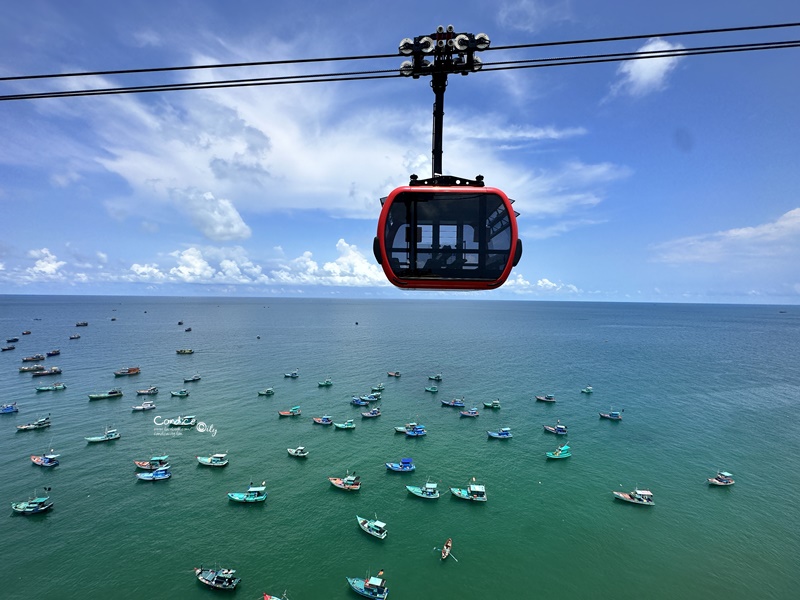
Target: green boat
[(51, 388), (108, 436), (180, 393), (112, 393), (266, 392), (492, 404), (433, 389), (326, 383), (349, 424), (560, 452)]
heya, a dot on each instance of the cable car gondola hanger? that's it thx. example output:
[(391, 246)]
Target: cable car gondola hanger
[(446, 232)]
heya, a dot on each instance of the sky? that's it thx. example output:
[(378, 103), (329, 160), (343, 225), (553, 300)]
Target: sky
[(664, 180)]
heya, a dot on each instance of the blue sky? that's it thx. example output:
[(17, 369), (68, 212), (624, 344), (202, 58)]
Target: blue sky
[(671, 180)]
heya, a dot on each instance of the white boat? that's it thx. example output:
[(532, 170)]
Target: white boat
[(473, 491), (151, 391), (637, 496), (721, 478), (146, 405), (373, 527), (299, 452), (108, 436), (215, 460)]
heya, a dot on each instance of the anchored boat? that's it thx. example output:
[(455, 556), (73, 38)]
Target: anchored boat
[(473, 491), (429, 490), (374, 527), (255, 493), (637, 496), (215, 460), (220, 579)]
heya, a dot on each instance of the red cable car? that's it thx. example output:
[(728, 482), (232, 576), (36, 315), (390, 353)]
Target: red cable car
[(447, 233)]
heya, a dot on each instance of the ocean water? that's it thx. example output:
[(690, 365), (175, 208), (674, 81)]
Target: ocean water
[(702, 388)]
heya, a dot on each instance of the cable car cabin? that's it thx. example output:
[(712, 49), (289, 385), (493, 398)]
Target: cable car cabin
[(447, 237)]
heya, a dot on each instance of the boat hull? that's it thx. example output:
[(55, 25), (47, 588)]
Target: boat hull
[(358, 585)]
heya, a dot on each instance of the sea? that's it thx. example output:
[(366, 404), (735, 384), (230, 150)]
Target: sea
[(701, 388)]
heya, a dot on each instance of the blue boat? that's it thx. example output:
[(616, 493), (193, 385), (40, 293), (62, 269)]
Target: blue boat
[(8, 408), (157, 475), (257, 493), (45, 460), (558, 428), (323, 420), (472, 412), (455, 403), (503, 433), (34, 506), (614, 415), (369, 587), (417, 431), (375, 412), (562, 451), (356, 401), (405, 465)]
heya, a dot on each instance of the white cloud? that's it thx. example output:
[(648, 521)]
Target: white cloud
[(352, 268), (533, 15), (217, 218), (47, 266), (192, 267), (146, 273), (536, 232), (542, 288), (641, 77), (778, 239)]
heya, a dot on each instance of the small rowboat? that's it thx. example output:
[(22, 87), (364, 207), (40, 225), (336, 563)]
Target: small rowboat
[(448, 545)]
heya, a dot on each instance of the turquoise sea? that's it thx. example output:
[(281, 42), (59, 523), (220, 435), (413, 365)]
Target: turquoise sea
[(703, 388)]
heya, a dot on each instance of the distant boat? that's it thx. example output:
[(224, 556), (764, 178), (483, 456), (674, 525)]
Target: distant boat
[(369, 587), (721, 478), (547, 398), (187, 421), (34, 506), (31, 368), (26, 332), (357, 401), (448, 546), (255, 493), (587, 390), (503, 433), (156, 475), (292, 412), (33, 358), (112, 393), (180, 322), (437, 377), (454, 403), (146, 405), (404, 428), (82, 324), (374, 527), (472, 412), (429, 490), (45, 460), (378, 388), (558, 428), (156, 462), (12, 340), (432, 389), (562, 451), (326, 383), (393, 373), (267, 392), (417, 431), (191, 379), (7, 348), (406, 465), (350, 482), (127, 371), (151, 391), (299, 452), (45, 372), (75, 336), (215, 460), (492, 404), (37, 424), (54, 353), (7, 409), (183, 393), (293, 375), (109, 436), (643, 497), (221, 579), (349, 424), (188, 329), (184, 351), (614, 415), (58, 386), (473, 491), (323, 420), (375, 412)]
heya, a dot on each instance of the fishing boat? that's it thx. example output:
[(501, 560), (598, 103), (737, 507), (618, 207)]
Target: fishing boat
[(267, 392), (108, 436), (643, 497), (9, 347), (293, 375), (215, 460), (437, 377), (127, 371), (587, 390), (82, 324), (146, 405), (75, 336), (472, 412), (112, 393), (183, 393), (562, 451), (404, 466), (191, 379), (26, 332), (292, 412), (299, 452), (323, 420), (187, 421), (454, 403), (31, 368), (51, 388), (429, 490), (448, 546), (404, 428), (12, 340), (255, 493), (473, 491), (393, 373), (492, 404), (558, 428), (151, 391), (375, 412), (7, 409), (357, 401), (220, 579), (37, 424), (156, 462), (53, 353), (184, 351), (350, 482), (45, 460), (547, 398), (349, 424), (160, 474), (34, 506), (614, 415), (378, 388), (721, 478), (33, 358), (417, 431), (374, 527), (326, 383), (432, 389), (504, 433), (188, 329), (47, 372), (369, 587)]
